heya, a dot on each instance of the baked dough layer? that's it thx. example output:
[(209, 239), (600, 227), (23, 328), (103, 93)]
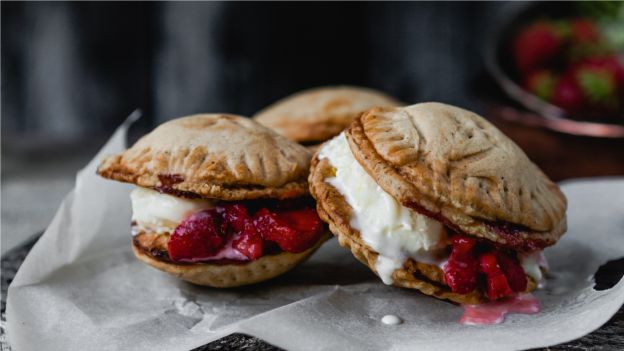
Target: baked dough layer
[(218, 156), (316, 115), (148, 249)]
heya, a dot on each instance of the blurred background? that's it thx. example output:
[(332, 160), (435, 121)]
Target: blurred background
[(73, 71)]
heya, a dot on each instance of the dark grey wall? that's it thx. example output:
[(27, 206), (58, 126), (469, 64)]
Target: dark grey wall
[(75, 70)]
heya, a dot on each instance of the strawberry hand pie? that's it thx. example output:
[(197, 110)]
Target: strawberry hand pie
[(313, 116), (220, 200), (433, 197)]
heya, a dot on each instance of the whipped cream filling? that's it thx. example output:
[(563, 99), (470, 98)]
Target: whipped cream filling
[(532, 263), (161, 213), (396, 232)]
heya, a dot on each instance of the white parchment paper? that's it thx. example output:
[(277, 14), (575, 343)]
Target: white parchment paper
[(80, 288)]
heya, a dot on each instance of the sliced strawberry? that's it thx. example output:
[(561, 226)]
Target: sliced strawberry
[(235, 215), (303, 220), (461, 275), (535, 46), (460, 272), (488, 264), (497, 285), (249, 243), (471, 262), (294, 231), (246, 239), (513, 271), (198, 237), (462, 245)]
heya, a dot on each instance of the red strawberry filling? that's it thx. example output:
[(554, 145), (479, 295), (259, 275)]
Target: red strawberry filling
[(245, 231), (472, 263), (292, 230)]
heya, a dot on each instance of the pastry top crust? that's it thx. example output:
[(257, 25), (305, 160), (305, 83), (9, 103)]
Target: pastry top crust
[(452, 164), (219, 156), (318, 114)]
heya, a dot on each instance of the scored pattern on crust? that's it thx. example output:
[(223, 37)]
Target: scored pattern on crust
[(226, 275), (213, 155), (333, 209), (316, 115), (452, 161)]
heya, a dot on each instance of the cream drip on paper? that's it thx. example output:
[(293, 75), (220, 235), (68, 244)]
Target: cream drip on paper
[(391, 319), (494, 312), (396, 232)]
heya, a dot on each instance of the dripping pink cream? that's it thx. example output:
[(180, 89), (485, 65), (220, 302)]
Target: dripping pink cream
[(495, 312)]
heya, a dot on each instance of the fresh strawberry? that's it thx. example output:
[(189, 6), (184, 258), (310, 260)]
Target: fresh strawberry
[(569, 94), (294, 231), (535, 46), (497, 284), (610, 63), (198, 237), (513, 271), (460, 272), (591, 88), (541, 83), (599, 87), (584, 31)]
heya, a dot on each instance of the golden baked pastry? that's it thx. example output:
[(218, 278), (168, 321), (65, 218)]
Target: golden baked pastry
[(459, 189), (315, 115), (218, 156), (221, 200), (223, 275)]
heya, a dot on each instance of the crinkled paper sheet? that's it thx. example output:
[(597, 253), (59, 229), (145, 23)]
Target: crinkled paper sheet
[(80, 288)]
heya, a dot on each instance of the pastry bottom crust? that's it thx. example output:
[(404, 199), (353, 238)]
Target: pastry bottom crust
[(333, 209), (220, 274)]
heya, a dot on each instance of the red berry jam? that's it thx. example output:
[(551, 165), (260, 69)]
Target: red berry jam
[(245, 231), (472, 264)]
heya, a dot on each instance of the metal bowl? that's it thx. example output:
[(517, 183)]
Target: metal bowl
[(541, 113)]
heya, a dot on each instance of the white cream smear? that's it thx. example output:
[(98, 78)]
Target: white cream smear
[(396, 232), (532, 263), (161, 213)]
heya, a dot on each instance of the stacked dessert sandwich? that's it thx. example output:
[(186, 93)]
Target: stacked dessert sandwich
[(220, 200), (433, 197), (313, 116)]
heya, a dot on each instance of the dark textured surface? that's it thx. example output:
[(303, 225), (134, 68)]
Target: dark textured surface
[(609, 337)]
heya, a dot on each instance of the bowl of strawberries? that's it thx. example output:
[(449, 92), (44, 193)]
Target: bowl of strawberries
[(564, 63)]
